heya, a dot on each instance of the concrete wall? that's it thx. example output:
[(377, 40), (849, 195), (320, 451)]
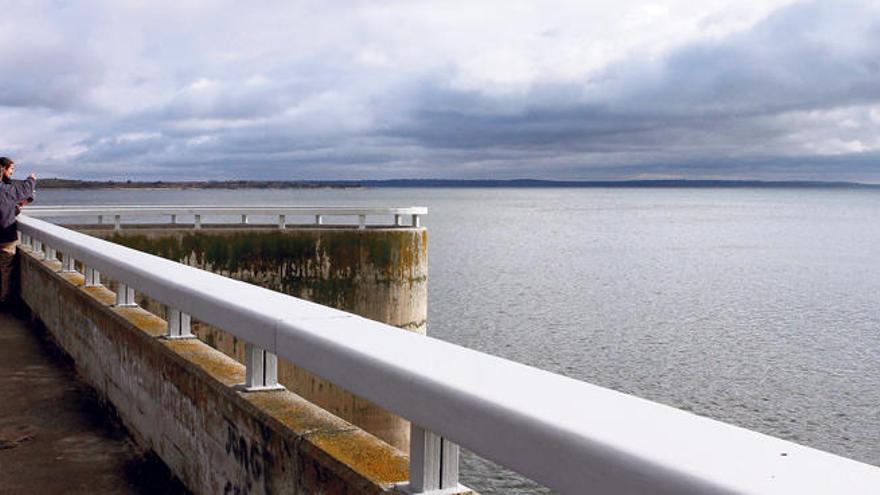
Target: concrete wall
[(182, 400), (378, 273)]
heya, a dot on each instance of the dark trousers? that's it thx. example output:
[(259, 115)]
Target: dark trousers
[(7, 263)]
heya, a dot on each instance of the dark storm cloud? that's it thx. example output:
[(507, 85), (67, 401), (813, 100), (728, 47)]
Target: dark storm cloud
[(45, 75), (715, 95), (807, 56), (315, 94)]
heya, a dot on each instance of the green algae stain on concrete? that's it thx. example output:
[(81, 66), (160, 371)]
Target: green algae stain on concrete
[(334, 267)]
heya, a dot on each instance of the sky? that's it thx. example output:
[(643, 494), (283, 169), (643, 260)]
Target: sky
[(572, 90)]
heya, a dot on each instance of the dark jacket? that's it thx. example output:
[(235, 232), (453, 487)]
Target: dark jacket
[(13, 192)]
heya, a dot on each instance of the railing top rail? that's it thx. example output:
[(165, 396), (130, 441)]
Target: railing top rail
[(568, 435), (128, 210)]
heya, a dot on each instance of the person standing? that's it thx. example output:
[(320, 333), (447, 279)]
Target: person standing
[(13, 195)]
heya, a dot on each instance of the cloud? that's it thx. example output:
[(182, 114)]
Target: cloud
[(442, 89)]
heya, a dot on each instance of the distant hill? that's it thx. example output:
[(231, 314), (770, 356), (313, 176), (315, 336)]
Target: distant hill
[(56, 183), (612, 184)]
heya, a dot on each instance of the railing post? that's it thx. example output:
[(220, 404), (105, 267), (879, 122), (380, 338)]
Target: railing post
[(124, 295), (26, 240), (319, 219), (198, 221), (244, 219), (282, 221), (117, 222), (173, 218), (179, 324), (261, 369), (38, 248), (362, 222), (100, 219), (68, 264), (433, 461), (398, 220), (93, 276), (416, 221), (51, 253)]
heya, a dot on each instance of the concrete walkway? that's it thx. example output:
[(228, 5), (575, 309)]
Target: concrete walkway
[(55, 436)]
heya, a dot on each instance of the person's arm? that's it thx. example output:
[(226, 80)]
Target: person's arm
[(20, 190)]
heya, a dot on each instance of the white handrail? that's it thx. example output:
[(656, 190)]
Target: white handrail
[(568, 435), (199, 211)]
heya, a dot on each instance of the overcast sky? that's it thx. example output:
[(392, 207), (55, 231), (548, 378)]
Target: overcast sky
[(187, 89)]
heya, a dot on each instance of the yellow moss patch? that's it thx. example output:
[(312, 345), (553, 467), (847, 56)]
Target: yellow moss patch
[(361, 452), (220, 367), (72, 278), (102, 294), (53, 265), (143, 320), (295, 413)]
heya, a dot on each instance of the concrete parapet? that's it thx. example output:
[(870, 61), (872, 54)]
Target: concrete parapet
[(378, 273), (181, 399)]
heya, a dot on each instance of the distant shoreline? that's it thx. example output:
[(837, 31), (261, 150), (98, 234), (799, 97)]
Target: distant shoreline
[(56, 183)]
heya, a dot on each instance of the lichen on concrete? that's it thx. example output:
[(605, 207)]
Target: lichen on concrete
[(335, 267)]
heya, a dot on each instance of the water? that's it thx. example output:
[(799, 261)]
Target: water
[(754, 307)]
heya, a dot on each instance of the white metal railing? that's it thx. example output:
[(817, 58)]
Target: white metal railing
[(198, 213), (566, 434)]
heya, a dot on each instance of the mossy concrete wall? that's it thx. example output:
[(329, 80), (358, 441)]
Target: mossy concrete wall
[(376, 273), (183, 400), (379, 274)]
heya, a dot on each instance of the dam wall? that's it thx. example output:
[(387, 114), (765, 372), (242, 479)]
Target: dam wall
[(182, 399), (377, 273)]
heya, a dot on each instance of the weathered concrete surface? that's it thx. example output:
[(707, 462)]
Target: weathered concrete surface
[(378, 273), (55, 435), (181, 400), (381, 274)]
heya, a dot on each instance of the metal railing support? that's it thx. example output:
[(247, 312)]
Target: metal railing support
[(261, 369), (68, 264), (100, 219), (93, 276), (398, 220), (362, 222), (198, 221), (38, 248), (433, 461), (124, 295), (319, 219), (173, 218), (117, 222), (282, 221), (416, 221), (179, 324), (244, 219)]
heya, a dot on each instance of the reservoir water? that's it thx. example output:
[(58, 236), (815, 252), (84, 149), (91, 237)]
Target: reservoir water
[(757, 307)]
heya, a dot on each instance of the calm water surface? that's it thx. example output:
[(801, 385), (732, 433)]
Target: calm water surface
[(755, 307)]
